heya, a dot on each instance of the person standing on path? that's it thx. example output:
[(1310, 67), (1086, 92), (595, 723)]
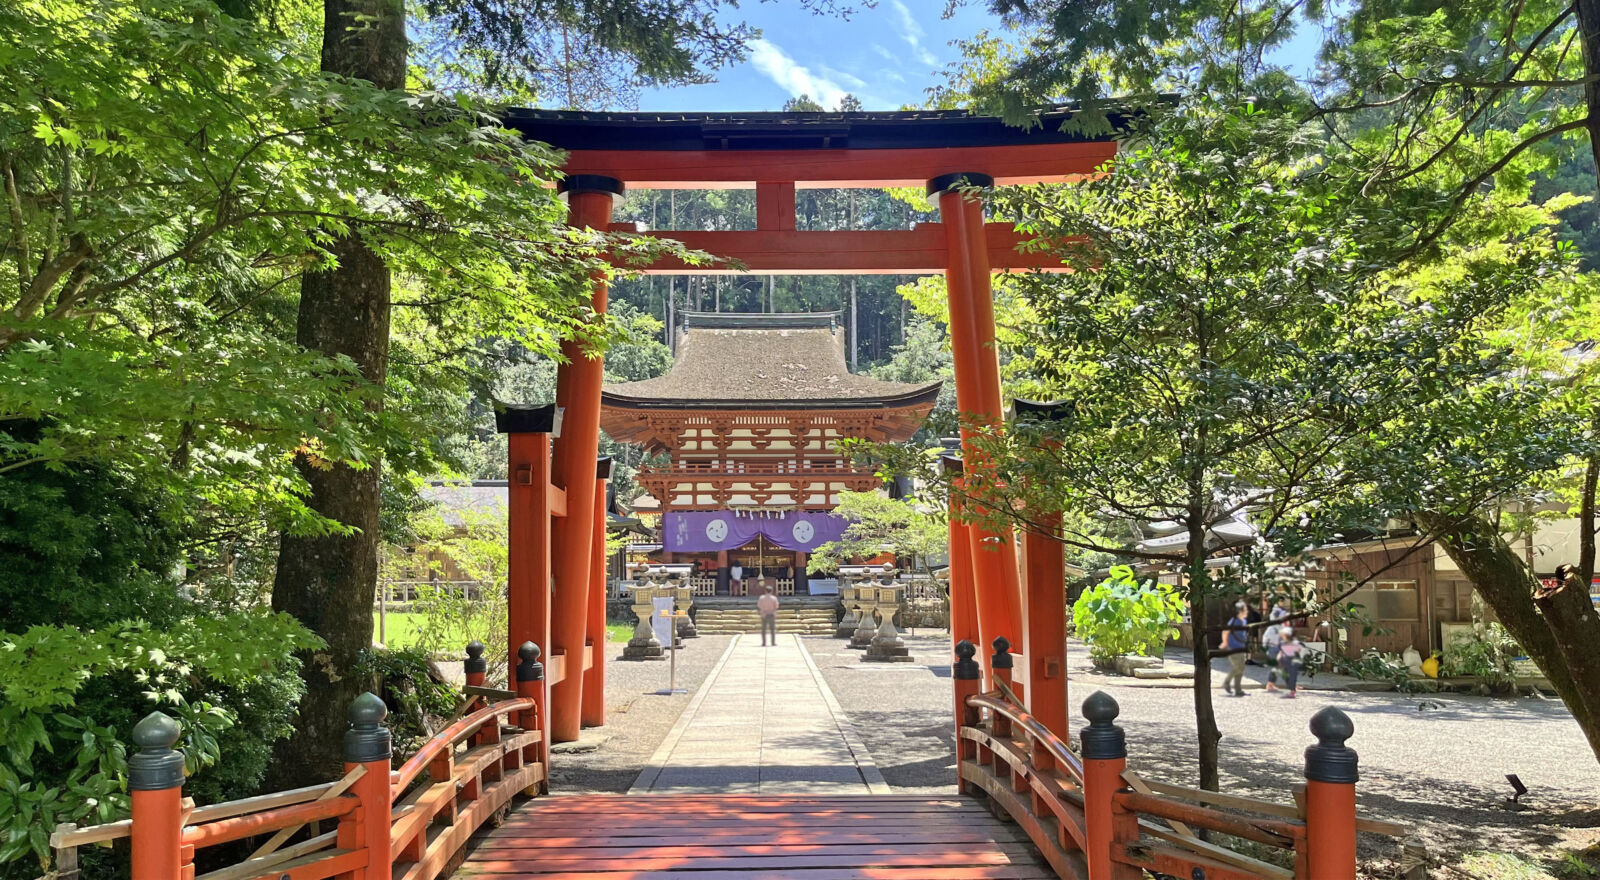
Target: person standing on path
[(1291, 654), (1236, 642), (1270, 640), (768, 606), (1272, 637)]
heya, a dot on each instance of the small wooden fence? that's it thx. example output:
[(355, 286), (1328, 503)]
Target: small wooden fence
[(1093, 819), (405, 824)]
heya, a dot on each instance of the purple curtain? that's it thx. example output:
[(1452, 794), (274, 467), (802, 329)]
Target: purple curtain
[(699, 531)]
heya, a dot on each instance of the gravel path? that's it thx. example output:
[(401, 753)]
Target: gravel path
[(1442, 768), (608, 759), (901, 710), (1436, 760)]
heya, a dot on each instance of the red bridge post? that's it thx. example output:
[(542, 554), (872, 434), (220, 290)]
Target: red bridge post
[(367, 745), (967, 676), (1331, 775), (155, 786), (530, 683), (1001, 666), (475, 668), (1105, 757)]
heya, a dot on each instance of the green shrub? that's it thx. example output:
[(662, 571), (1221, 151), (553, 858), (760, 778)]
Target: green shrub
[(417, 696), (85, 548), (1486, 655), (1375, 665), (95, 634), (69, 696), (1121, 616)]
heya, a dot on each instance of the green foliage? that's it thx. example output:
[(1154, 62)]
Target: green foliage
[(156, 236), (44, 666), (1122, 616), (880, 524), (411, 686), (87, 548), (448, 615), (94, 634), (1375, 665), (262, 712), (87, 785), (70, 695), (584, 54), (1486, 654)]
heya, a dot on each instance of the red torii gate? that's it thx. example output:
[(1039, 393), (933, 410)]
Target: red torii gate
[(1077, 807), (555, 575)]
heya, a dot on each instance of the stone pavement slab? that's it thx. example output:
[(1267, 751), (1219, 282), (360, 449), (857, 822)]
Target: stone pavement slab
[(764, 721)]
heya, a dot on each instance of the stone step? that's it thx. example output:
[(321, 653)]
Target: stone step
[(810, 618), (734, 631)]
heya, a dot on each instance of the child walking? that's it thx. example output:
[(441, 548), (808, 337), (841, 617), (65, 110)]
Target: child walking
[(1291, 654)]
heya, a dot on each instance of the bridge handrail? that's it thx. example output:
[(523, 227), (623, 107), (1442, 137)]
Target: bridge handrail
[(383, 818), (1065, 758), (451, 737), (1093, 818)]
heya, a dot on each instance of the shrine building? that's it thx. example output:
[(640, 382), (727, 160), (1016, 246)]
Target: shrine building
[(749, 417)]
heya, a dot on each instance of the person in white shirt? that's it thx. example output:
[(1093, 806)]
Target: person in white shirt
[(768, 606), (735, 577)]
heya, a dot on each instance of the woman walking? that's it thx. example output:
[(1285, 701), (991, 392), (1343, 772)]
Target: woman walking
[(1236, 645)]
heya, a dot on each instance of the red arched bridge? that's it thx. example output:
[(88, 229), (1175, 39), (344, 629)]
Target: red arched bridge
[(473, 798), (472, 801)]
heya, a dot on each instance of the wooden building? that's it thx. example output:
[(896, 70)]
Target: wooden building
[(749, 419)]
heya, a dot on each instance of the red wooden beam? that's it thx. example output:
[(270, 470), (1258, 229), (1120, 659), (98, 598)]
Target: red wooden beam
[(823, 169), (775, 206), (918, 251)]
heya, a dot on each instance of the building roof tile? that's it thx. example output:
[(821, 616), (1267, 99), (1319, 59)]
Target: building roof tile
[(764, 361)]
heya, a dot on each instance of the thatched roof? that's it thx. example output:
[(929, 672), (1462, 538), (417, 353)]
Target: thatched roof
[(764, 362)]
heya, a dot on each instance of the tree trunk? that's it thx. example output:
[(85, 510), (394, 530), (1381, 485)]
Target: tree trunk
[(855, 328), (1205, 711), (329, 583), (1559, 633), (1589, 30)]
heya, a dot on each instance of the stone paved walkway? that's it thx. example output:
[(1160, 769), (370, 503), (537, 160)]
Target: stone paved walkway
[(764, 722)]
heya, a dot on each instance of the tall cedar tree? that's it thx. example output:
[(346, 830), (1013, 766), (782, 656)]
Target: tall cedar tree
[(327, 581)]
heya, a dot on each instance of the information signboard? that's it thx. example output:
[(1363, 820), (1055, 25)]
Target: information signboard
[(662, 621)]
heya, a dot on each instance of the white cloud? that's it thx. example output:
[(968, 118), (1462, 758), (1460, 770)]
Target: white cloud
[(911, 31), (848, 80), (793, 77)]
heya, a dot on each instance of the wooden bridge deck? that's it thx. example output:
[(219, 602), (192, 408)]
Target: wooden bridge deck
[(754, 837)]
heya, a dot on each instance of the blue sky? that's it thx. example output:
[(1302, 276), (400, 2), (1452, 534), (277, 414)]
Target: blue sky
[(887, 56)]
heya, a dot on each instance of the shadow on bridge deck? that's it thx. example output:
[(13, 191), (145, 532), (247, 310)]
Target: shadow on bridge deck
[(754, 837)]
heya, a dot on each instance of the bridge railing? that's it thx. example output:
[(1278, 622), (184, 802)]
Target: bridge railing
[(405, 824), (1093, 819)]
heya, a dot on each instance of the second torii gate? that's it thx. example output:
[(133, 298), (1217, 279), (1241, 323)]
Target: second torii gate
[(553, 566)]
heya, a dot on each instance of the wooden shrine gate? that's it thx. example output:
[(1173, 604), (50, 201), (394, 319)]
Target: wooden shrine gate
[(1079, 810)]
